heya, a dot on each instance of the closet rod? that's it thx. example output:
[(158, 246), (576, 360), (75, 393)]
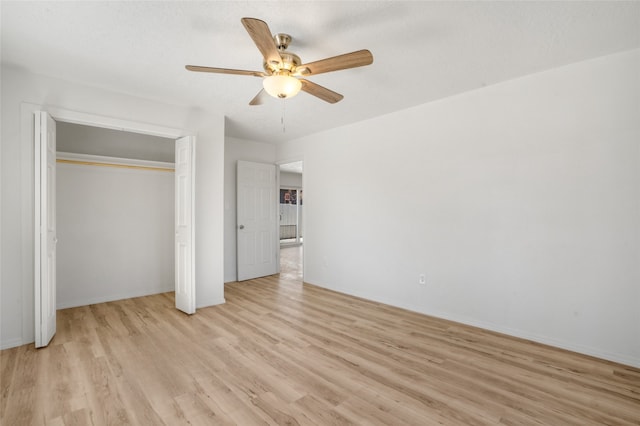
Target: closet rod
[(122, 166)]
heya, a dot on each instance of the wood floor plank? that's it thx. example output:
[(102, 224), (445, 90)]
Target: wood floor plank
[(283, 352), (321, 412), (8, 368)]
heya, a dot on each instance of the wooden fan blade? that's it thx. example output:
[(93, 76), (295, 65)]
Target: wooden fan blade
[(341, 62), (198, 68), (261, 35), (259, 98), (321, 92)]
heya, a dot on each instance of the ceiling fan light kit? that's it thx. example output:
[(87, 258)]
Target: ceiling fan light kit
[(282, 68), (282, 86)]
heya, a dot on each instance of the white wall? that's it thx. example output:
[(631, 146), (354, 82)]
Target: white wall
[(21, 94), (520, 202), (113, 143), (238, 149), (115, 233), (209, 214)]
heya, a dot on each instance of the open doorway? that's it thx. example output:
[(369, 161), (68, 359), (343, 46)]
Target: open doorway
[(291, 220)]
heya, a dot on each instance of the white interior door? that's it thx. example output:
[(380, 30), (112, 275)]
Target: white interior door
[(257, 221), (185, 235), (45, 228)]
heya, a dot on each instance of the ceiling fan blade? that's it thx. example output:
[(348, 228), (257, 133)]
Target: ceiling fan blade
[(321, 92), (259, 98), (341, 62), (261, 35), (198, 68)]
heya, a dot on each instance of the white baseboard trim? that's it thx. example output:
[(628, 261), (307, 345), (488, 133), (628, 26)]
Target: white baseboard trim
[(111, 297), (129, 295), (212, 302), (10, 343), (581, 349)]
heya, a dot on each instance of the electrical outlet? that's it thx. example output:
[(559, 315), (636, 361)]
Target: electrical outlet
[(422, 279)]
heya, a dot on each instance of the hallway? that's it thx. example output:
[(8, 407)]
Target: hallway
[(291, 263)]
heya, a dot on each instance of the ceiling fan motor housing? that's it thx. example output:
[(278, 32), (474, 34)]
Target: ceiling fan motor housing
[(289, 59), (282, 40)]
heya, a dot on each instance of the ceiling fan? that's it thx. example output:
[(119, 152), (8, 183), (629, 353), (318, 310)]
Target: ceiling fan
[(283, 69)]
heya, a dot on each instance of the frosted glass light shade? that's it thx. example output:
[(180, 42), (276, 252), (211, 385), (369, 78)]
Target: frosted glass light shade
[(281, 86)]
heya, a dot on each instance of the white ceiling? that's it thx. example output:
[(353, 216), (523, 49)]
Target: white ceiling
[(423, 51)]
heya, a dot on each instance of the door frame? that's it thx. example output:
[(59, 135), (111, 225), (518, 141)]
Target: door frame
[(295, 159), (94, 120)]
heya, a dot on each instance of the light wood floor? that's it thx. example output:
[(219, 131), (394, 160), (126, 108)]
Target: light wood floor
[(279, 352), (291, 263)]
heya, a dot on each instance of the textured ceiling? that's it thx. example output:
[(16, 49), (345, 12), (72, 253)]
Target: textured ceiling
[(423, 51)]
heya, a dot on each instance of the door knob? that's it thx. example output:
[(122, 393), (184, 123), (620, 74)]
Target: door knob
[(241, 226)]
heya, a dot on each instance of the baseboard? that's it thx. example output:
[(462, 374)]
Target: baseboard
[(121, 296), (112, 297), (211, 302), (11, 343), (581, 349)]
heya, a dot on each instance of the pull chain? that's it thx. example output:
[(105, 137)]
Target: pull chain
[(282, 118)]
